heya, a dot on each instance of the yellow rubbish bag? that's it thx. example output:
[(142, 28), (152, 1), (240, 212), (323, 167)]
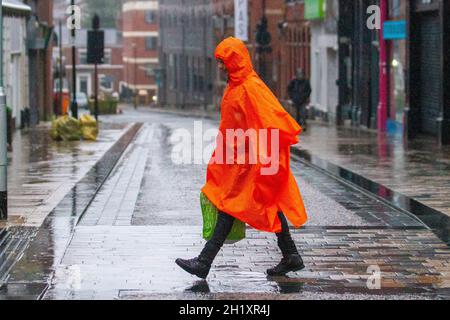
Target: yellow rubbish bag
[(89, 127), (69, 129), (54, 130)]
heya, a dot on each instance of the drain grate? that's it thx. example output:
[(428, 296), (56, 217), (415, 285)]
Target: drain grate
[(13, 242)]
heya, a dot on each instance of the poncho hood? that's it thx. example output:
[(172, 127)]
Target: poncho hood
[(236, 58)]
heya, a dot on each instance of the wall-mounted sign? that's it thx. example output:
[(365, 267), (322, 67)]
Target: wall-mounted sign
[(394, 30), (314, 9), (241, 19)]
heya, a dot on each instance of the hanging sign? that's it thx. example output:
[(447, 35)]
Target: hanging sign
[(241, 19), (394, 30), (314, 9)]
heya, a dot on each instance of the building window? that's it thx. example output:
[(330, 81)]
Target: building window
[(188, 75), (150, 16), (395, 8), (107, 57), (201, 83), (106, 83), (82, 56), (16, 41), (151, 43), (173, 64), (193, 18)]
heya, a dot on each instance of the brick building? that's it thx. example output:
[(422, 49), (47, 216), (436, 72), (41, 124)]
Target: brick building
[(190, 31), (40, 45), (291, 42), (27, 61), (290, 38), (139, 22), (186, 51), (110, 73)]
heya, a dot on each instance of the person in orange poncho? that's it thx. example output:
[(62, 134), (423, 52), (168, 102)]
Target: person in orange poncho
[(253, 183)]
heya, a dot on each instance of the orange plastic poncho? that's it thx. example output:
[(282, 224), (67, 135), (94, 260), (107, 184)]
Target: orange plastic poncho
[(241, 190)]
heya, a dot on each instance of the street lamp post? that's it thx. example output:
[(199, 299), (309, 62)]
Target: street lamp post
[(74, 104), (3, 132)]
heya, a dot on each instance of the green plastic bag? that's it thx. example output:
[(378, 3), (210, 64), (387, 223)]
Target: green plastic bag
[(210, 214)]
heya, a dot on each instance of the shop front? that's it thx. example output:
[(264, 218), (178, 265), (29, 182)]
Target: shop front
[(359, 70), (428, 112)]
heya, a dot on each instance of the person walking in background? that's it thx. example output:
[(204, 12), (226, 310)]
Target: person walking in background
[(242, 191), (299, 91)]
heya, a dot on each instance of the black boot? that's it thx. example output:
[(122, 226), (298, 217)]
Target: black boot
[(195, 267), (200, 266), (291, 263), (292, 260)]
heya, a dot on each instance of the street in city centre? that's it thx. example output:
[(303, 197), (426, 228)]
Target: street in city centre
[(147, 214)]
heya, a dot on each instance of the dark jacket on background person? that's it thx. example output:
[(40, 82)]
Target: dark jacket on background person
[(299, 91)]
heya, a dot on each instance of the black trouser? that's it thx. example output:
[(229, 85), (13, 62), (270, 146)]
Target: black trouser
[(223, 228), (302, 114)]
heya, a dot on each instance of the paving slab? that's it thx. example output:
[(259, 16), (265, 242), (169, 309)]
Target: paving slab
[(106, 262)]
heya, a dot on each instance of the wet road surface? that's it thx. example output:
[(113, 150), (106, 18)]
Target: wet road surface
[(147, 214)]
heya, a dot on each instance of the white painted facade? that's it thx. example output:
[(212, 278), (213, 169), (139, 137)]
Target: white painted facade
[(15, 62), (325, 62), (324, 69), (140, 5)]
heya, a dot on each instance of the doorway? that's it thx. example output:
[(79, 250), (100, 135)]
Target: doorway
[(429, 68), (84, 83)]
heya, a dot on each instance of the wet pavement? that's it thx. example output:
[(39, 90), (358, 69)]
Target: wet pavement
[(412, 176), (147, 213), (27, 254), (42, 171)]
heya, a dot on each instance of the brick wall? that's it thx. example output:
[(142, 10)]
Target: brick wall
[(139, 52), (114, 69), (290, 44)]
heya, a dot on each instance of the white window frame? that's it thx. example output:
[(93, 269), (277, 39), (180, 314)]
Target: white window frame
[(100, 77)]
